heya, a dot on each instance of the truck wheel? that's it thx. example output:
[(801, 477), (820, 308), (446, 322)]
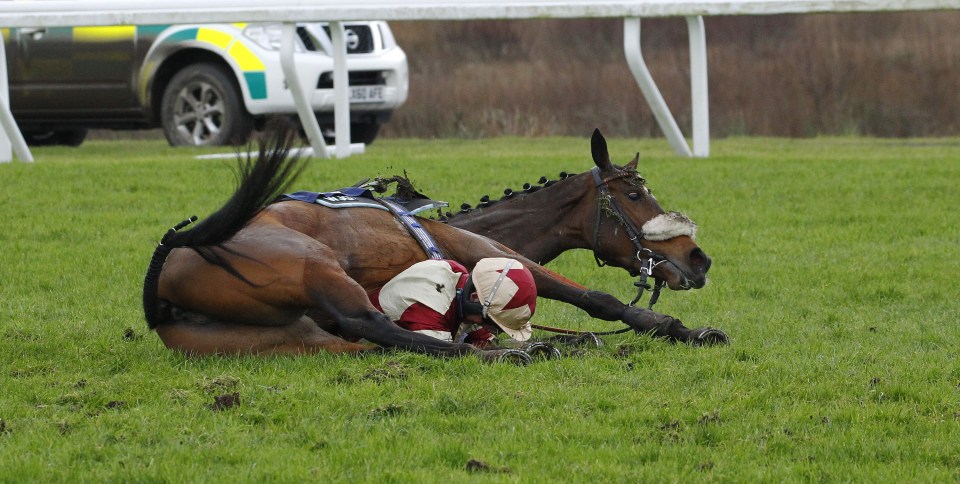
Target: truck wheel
[(67, 137), (363, 132), (202, 106)]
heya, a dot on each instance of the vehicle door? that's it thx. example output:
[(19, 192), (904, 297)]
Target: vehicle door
[(71, 70)]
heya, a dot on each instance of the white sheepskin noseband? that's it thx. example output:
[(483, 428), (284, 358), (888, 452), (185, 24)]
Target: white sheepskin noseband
[(669, 225)]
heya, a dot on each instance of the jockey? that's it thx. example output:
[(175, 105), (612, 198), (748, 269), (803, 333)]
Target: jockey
[(442, 299)]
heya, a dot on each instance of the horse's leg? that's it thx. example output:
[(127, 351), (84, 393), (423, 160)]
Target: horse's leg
[(345, 303), (604, 306), (376, 327), (469, 248), (205, 337)]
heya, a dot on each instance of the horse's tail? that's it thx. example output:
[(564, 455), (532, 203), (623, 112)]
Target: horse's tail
[(260, 182)]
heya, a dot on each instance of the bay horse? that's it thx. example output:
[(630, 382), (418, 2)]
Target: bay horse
[(610, 211), (262, 276)]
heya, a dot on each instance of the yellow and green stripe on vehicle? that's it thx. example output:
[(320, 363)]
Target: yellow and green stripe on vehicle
[(253, 69)]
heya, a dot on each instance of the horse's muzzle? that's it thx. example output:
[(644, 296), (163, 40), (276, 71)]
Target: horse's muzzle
[(685, 275)]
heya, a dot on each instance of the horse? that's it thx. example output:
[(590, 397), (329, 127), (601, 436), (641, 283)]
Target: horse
[(609, 210), (262, 276)]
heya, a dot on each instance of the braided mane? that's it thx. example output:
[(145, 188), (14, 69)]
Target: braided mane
[(508, 193)]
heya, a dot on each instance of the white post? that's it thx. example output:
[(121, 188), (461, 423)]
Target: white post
[(341, 90), (699, 98), (11, 140), (304, 109), (631, 48)]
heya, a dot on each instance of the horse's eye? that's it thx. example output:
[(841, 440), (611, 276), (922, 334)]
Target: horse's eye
[(634, 195)]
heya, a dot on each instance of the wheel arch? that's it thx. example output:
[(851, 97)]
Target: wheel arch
[(178, 61), (180, 46)]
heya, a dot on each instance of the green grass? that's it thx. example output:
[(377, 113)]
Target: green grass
[(835, 266)]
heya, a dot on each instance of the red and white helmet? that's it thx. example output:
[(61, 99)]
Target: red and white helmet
[(507, 293)]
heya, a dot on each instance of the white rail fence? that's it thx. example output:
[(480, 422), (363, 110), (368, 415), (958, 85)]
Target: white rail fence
[(65, 13)]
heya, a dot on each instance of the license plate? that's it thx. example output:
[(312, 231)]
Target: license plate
[(366, 94)]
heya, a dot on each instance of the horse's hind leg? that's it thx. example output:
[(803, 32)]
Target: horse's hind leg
[(213, 337)]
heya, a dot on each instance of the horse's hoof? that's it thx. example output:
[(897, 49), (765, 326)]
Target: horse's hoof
[(709, 337), (589, 339), (539, 349), (581, 339), (516, 357)]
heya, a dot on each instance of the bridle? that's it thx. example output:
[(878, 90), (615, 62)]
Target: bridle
[(649, 259)]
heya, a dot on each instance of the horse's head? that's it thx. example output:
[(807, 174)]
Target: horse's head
[(629, 219)]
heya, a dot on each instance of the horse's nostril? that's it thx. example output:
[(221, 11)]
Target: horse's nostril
[(698, 258)]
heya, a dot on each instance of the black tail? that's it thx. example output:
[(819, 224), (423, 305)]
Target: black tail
[(260, 182)]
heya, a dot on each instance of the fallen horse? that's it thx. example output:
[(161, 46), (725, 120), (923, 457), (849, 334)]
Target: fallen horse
[(609, 211), (267, 276)]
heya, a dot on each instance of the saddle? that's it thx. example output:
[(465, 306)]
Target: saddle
[(363, 196), (403, 206)]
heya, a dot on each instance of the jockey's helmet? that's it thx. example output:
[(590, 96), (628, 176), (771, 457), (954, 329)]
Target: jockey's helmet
[(507, 294)]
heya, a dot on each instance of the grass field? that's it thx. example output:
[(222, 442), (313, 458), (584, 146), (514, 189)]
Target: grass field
[(835, 275)]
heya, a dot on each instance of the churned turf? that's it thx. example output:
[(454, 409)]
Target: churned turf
[(835, 275)]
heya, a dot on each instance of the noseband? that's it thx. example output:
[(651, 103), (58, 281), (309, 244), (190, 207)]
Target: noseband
[(649, 259)]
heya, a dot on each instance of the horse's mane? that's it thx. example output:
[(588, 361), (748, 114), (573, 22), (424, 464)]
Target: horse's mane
[(508, 193), (633, 177)]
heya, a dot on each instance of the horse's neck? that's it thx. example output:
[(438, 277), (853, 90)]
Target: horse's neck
[(539, 225)]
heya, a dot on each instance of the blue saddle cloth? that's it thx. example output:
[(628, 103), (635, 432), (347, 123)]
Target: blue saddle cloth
[(352, 197)]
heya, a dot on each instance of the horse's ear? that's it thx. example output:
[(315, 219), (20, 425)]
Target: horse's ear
[(633, 163), (598, 145)]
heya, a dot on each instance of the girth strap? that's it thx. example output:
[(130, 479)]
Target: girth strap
[(416, 230)]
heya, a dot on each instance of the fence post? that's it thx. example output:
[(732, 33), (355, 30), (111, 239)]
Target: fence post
[(699, 98), (631, 48), (11, 140)]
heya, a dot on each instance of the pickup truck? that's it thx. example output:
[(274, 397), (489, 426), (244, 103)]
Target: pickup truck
[(204, 84)]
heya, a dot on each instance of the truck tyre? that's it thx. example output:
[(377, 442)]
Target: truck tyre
[(66, 137), (363, 132), (202, 106)]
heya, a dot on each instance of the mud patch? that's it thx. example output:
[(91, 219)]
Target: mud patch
[(220, 384), (225, 401), (4, 428), (130, 335), (116, 404), (476, 465)]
